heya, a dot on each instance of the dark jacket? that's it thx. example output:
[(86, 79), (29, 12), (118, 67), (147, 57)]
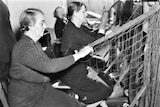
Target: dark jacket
[(75, 76), (59, 27), (28, 87), (6, 40)]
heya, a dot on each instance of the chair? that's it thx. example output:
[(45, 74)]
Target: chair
[(3, 94)]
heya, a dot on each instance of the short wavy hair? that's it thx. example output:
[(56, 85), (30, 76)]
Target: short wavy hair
[(28, 18), (56, 11)]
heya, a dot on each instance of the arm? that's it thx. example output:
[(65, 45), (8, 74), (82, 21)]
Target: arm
[(37, 60), (104, 20)]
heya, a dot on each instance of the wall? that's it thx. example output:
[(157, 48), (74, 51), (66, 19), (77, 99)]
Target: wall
[(47, 6), (96, 5)]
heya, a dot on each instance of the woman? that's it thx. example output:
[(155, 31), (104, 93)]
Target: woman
[(61, 21), (74, 38), (120, 12), (28, 87)]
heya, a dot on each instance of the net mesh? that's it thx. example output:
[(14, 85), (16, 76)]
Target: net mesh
[(130, 47)]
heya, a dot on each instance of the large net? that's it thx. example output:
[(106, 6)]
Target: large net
[(131, 56)]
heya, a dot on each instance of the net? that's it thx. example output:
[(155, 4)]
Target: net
[(131, 56)]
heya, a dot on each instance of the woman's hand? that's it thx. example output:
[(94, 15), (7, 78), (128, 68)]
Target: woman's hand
[(117, 91), (82, 53), (104, 19)]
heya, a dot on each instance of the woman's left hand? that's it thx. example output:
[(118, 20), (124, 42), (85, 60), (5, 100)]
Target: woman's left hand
[(118, 91)]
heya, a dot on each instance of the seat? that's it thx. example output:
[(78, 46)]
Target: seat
[(3, 95), (60, 86)]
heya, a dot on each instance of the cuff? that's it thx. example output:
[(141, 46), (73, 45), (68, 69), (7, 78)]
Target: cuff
[(102, 31)]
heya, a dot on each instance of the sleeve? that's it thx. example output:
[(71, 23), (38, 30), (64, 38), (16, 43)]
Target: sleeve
[(38, 60), (31, 76), (99, 35), (67, 52)]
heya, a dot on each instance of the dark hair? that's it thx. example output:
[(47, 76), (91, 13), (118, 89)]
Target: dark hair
[(74, 6), (28, 18), (123, 11)]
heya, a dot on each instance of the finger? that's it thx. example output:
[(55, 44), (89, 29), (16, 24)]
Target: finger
[(75, 51)]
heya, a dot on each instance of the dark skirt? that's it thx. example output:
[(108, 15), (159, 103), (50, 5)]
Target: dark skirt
[(40, 95), (89, 91)]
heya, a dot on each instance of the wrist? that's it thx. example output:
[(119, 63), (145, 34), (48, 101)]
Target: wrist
[(76, 57), (102, 31)]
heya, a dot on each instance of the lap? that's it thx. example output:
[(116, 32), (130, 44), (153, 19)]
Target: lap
[(89, 91), (57, 98)]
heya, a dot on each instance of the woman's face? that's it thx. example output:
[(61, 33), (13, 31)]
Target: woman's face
[(112, 16), (81, 14), (39, 26), (62, 12)]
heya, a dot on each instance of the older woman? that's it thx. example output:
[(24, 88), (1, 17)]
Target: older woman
[(28, 87)]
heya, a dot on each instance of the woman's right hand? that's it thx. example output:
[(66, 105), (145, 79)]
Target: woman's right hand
[(104, 19), (83, 52)]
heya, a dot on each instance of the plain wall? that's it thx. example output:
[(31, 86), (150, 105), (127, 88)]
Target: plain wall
[(96, 5), (47, 6)]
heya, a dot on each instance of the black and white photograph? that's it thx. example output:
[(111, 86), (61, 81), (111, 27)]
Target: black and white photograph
[(79, 53)]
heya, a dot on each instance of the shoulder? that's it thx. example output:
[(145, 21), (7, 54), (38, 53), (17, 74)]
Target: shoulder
[(22, 46), (71, 29)]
